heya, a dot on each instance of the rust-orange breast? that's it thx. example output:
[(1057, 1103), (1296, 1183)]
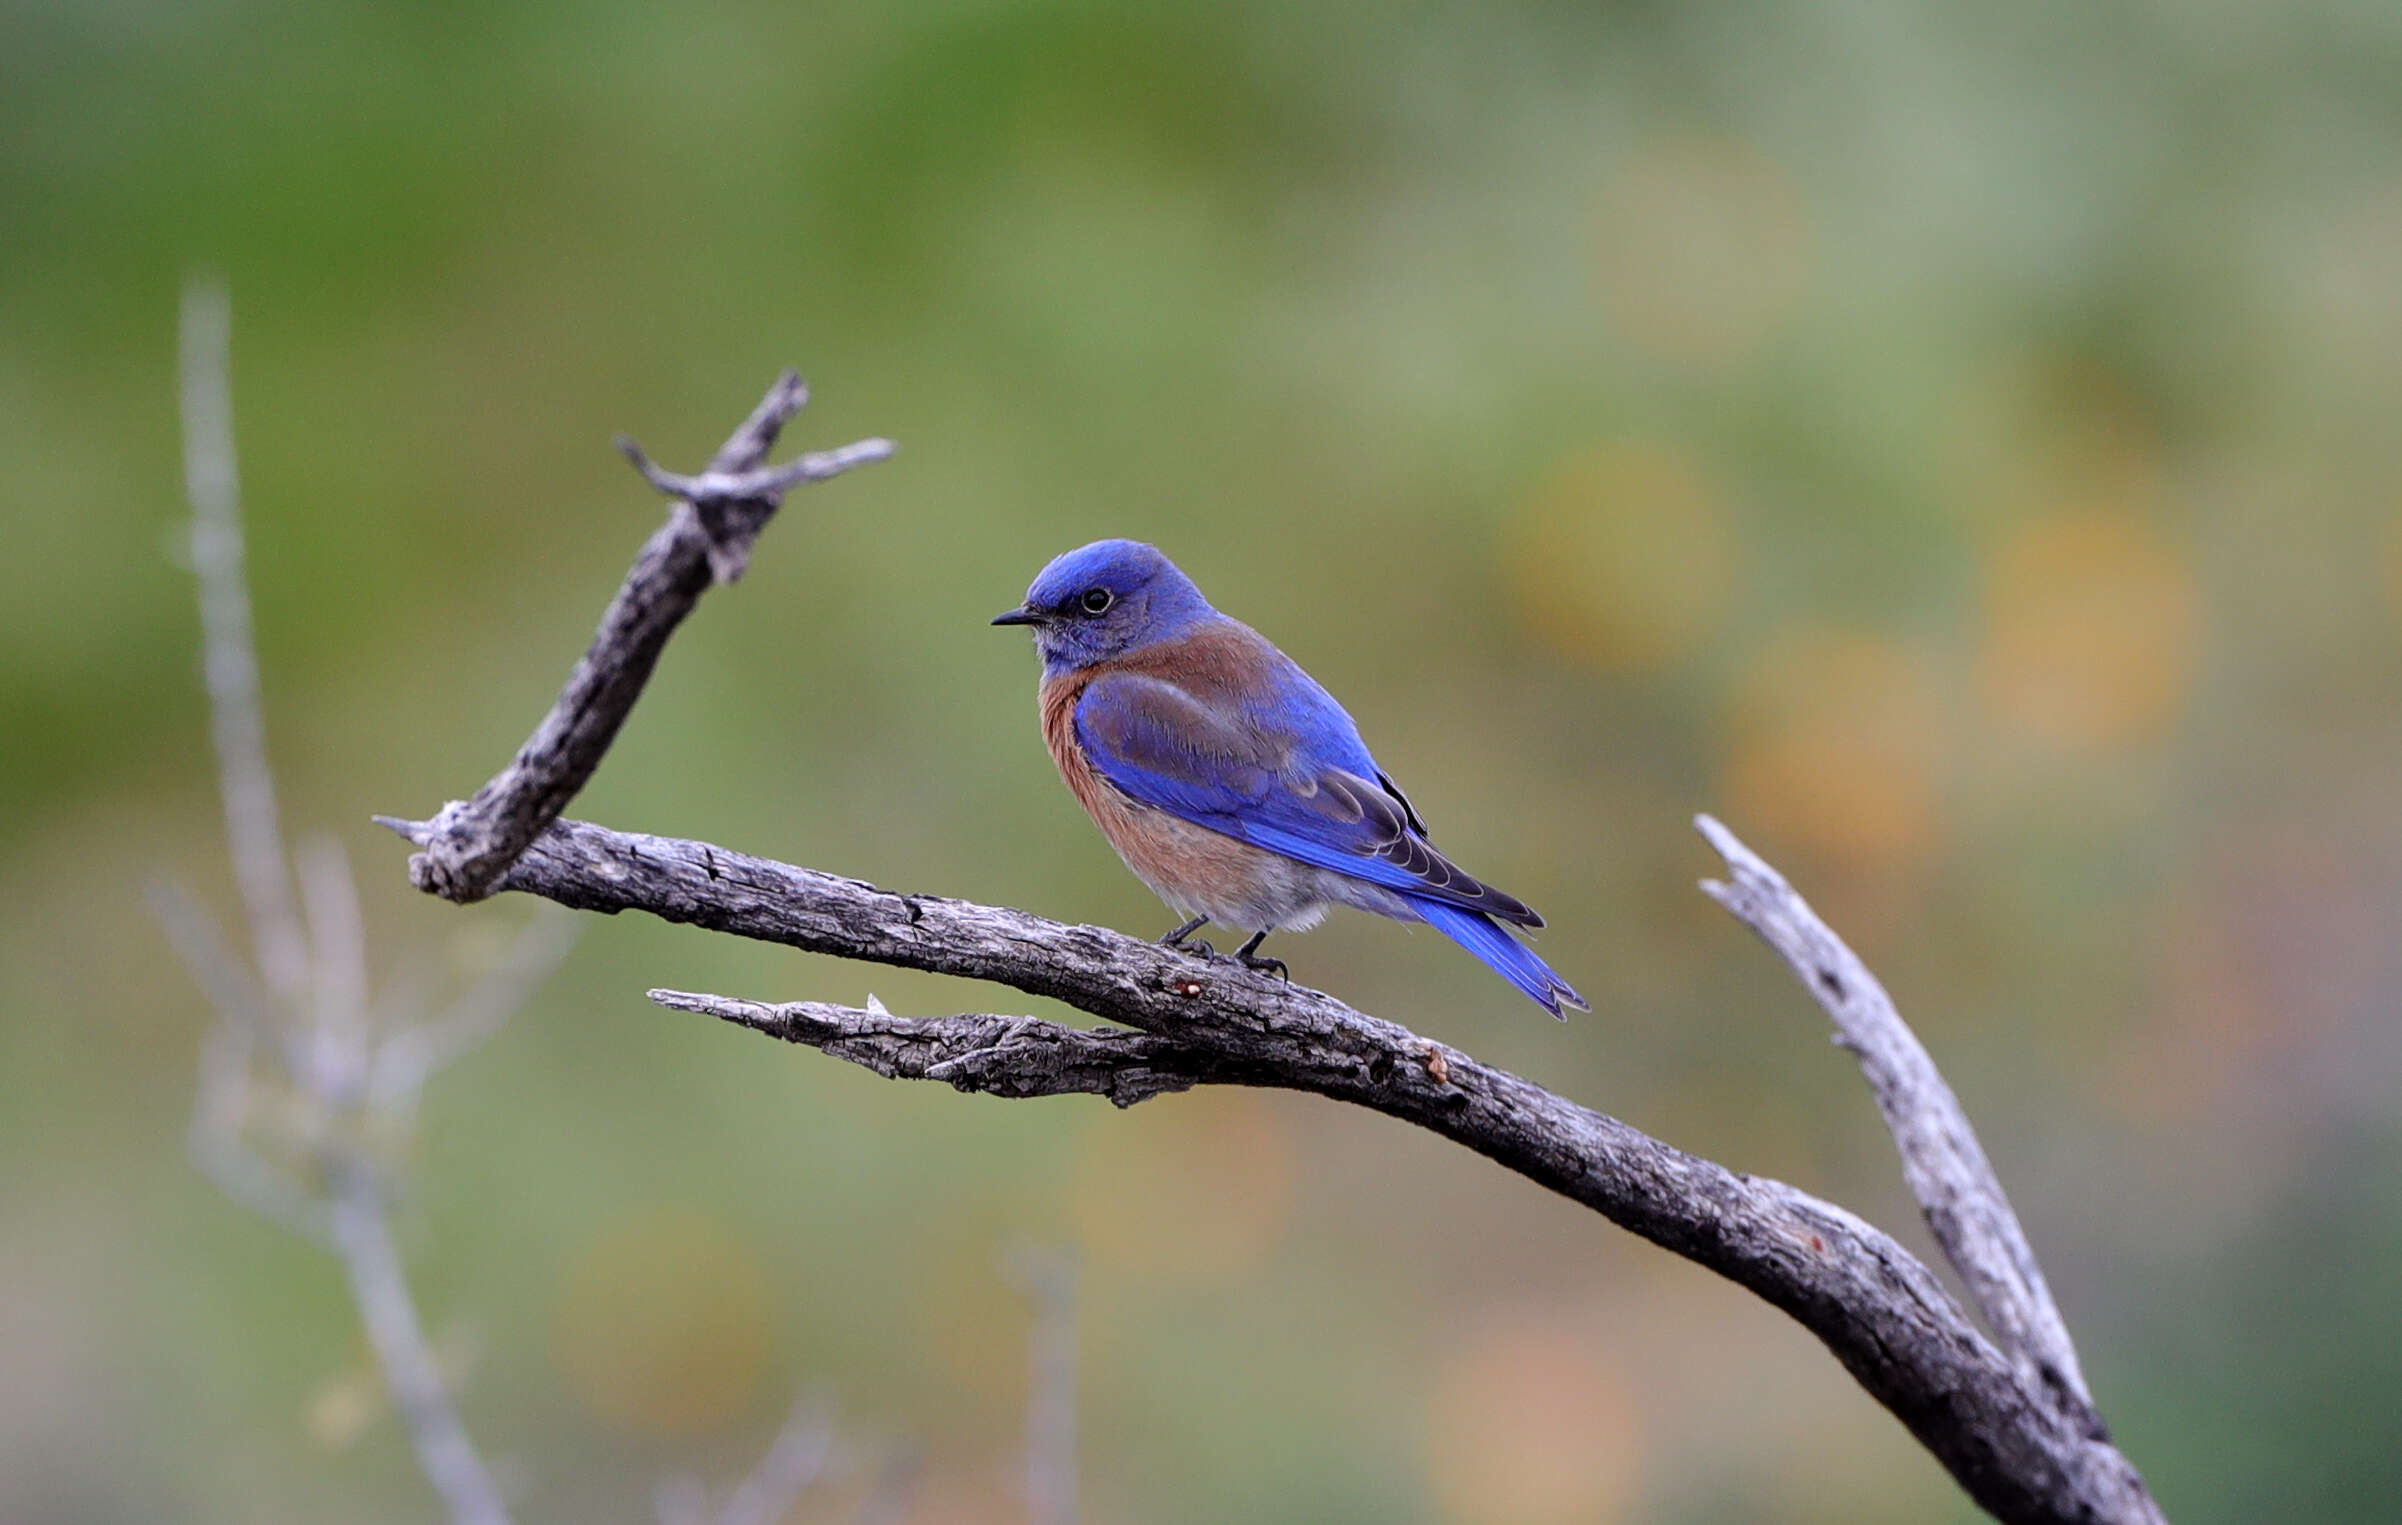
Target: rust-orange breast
[(1194, 869), (1058, 698)]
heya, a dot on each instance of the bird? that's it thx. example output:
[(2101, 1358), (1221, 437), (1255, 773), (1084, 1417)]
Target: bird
[(1229, 781)]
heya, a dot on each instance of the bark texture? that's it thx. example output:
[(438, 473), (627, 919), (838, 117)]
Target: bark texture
[(2011, 1420)]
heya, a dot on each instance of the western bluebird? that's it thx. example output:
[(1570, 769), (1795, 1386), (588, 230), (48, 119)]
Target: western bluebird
[(1230, 782)]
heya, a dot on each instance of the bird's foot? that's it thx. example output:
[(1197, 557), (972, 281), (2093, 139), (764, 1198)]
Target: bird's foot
[(1249, 956), (1176, 939)]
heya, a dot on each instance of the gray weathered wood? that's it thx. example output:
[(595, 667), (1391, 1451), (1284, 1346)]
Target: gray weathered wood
[(2013, 1424), (706, 540), (1942, 1161), (1210, 1021)]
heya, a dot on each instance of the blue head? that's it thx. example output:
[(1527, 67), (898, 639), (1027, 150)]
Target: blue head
[(1105, 599)]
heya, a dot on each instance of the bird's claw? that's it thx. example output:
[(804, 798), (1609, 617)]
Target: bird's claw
[(1178, 939), (1274, 966)]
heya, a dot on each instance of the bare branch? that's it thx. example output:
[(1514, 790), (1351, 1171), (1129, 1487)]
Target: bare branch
[(1003, 1056), (223, 1152), (796, 1459), (1945, 1166), (680, 1500), (2020, 1441), (706, 540), (229, 657), (765, 483), (240, 1000), (322, 1180), (1049, 1277), (312, 1015), (889, 1496), (416, 1053), (1882, 1313), (363, 1236), (339, 1042)]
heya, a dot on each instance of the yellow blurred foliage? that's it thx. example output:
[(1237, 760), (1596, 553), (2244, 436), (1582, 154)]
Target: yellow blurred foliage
[(1531, 1423), (663, 1322), (1621, 558), (1704, 247), (1193, 1190), (343, 1406), (2091, 626), (1836, 740), (348, 1403)]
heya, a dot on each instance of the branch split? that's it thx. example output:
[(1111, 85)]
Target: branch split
[(2013, 1424), (706, 541), (1945, 1166), (1016, 1057)]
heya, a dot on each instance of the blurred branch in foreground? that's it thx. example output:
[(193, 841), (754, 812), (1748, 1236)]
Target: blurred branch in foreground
[(800, 1454), (2011, 1424), (317, 1159), (1048, 1278), (308, 1089)]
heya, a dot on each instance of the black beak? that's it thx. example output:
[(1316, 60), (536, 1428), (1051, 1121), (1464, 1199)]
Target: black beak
[(1018, 617)]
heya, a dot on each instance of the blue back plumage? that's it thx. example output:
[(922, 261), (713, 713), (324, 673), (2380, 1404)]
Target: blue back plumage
[(1196, 714)]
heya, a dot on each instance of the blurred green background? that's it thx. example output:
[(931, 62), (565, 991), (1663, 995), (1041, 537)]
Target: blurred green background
[(1955, 444)]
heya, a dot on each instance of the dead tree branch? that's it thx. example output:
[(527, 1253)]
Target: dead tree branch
[(1049, 1279), (308, 1087), (229, 657), (313, 1164), (707, 540), (802, 1453), (1945, 1166), (2011, 1424)]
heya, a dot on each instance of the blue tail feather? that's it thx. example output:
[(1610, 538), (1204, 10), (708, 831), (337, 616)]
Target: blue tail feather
[(1503, 954)]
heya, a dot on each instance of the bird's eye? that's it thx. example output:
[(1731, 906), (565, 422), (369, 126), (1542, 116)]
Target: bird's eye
[(1097, 600)]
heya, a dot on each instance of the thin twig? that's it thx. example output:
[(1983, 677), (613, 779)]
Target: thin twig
[(706, 540), (240, 1001), (1049, 1279), (801, 1454), (895, 1486), (340, 1043), (769, 482), (308, 1009), (229, 654), (1942, 1161), (221, 1148), (1002, 1056), (680, 1500), (363, 1236), (794, 1461), (413, 1054)]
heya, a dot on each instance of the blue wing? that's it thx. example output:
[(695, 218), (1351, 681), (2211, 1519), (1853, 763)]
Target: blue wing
[(1283, 769)]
